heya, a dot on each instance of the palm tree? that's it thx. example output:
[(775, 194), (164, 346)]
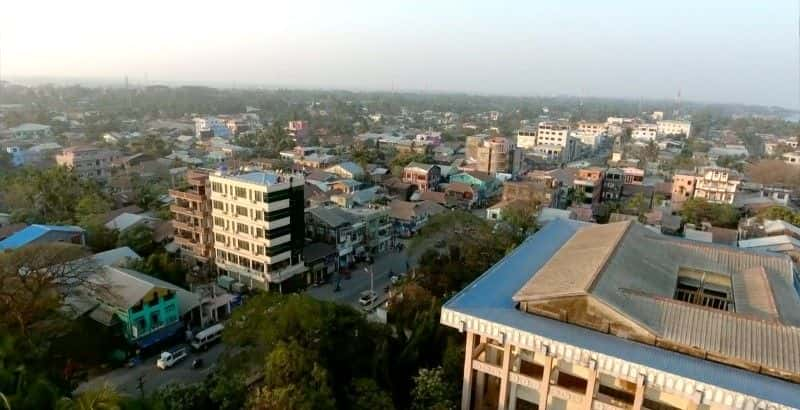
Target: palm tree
[(104, 398)]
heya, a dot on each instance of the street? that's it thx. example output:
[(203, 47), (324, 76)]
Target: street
[(351, 289), (126, 380)]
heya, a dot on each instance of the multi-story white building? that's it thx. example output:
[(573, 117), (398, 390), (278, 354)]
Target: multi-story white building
[(617, 316), (674, 127), (258, 226), (526, 137), (645, 132), (716, 184)]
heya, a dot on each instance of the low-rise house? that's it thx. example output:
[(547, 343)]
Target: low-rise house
[(88, 162), (147, 309), (460, 195), (539, 191), (336, 226), (409, 217), (424, 176), (349, 170), (126, 221), (322, 261), (31, 131), (37, 234), (485, 185)]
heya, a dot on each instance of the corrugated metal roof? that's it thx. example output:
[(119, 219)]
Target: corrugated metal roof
[(490, 298), (34, 232), (562, 276)]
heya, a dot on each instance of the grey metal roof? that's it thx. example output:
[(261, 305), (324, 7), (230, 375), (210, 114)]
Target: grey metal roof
[(490, 298), (332, 216)]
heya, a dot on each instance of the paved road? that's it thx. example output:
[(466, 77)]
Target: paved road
[(359, 281), (126, 380)]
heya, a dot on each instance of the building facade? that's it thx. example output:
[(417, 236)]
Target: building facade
[(645, 132), (492, 154), (88, 162), (424, 176), (258, 226), (191, 217), (673, 127), (551, 326), (717, 185)]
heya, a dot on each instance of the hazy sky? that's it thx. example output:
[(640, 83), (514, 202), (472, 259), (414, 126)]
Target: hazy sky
[(728, 51)]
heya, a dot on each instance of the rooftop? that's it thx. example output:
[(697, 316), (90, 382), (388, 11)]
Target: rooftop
[(34, 232), (628, 275)]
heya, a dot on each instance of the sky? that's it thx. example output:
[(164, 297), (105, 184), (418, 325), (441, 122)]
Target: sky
[(712, 51)]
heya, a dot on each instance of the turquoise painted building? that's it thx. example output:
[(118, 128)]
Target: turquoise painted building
[(145, 308), (484, 184)]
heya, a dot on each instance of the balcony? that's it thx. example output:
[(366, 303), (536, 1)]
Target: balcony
[(186, 226), (186, 211), (186, 195)]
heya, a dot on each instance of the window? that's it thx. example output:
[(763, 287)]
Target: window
[(241, 211), (219, 221), (218, 205), (219, 237), (241, 192), (242, 228), (275, 215), (155, 319), (259, 215), (216, 187), (243, 245), (705, 289)]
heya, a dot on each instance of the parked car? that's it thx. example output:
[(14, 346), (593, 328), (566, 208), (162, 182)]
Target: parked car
[(171, 357), (367, 298)]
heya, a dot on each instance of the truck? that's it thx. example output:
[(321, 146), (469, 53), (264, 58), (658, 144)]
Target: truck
[(171, 357)]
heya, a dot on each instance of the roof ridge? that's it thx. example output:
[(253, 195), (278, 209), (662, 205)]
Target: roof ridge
[(613, 249)]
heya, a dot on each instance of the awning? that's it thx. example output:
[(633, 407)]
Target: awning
[(159, 335)]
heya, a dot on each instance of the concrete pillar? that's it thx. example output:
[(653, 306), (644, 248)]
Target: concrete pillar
[(544, 388), (639, 398), (480, 377), (502, 401), (591, 386), (466, 389)]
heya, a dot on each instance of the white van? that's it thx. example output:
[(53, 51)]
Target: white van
[(172, 356), (207, 336)]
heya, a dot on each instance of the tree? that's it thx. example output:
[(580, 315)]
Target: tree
[(431, 391), (774, 172), (698, 210), (139, 238), (163, 266), (50, 195), (181, 397), (519, 219), (105, 398), (367, 395), (35, 279)]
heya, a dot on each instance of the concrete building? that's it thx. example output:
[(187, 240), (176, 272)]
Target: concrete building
[(588, 185), (492, 154), (717, 185), (526, 137), (31, 131), (791, 158), (88, 162), (258, 226), (617, 316), (632, 176), (424, 176), (683, 185), (533, 191), (191, 217), (645, 132), (674, 127), (612, 184)]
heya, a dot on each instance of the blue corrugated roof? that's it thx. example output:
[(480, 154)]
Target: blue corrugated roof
[(490, 298), (34, 232)]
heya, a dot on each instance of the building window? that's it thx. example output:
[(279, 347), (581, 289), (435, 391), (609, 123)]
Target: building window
[(243, 245), (242, 228), (218, 205), (216, 187), (241, 192), (705, 289), (219, 221), (241, 210)]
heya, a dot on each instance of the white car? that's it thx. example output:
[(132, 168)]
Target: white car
[(170, 357), (367, 298)]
